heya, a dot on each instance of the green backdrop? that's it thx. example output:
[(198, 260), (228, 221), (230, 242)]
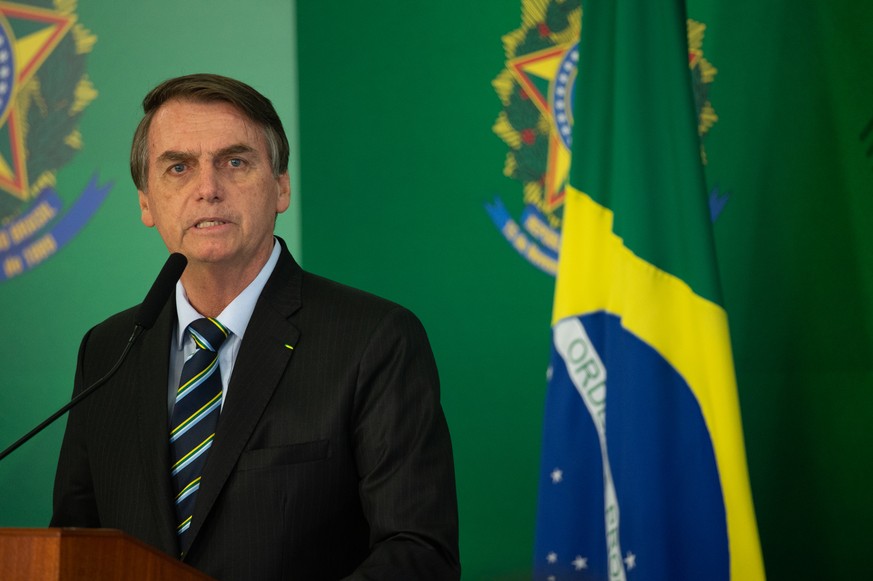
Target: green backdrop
[(794, 94), (396, 163)]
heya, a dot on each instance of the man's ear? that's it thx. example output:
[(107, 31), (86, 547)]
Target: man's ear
[(145, 212), (283, 201)]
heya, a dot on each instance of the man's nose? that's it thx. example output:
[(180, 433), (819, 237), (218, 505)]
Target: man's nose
[(208, 183)]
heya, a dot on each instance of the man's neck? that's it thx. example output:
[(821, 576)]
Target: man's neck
[(210, 288)]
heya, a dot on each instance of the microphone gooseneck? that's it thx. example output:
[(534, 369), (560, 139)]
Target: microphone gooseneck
[(144, 318)]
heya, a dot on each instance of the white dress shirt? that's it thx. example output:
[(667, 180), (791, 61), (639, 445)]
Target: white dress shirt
[(235, 317)]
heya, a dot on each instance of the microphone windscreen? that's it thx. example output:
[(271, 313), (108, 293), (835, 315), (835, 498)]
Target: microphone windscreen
[(157, 297)]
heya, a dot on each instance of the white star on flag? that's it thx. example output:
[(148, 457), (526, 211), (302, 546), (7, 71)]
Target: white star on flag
[(580, 563), (552, 558), (557, 475), (630, 560)]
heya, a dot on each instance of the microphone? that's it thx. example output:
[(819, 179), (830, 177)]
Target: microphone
[(144, 319)]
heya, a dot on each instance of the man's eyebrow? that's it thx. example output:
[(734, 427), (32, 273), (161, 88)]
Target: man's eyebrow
[(235, 150), (171, 155)]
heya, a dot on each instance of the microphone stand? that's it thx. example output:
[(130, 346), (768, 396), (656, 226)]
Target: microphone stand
[(144, 318), (75, 401)]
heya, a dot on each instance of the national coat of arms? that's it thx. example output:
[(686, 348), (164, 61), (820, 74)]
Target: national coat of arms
[(536, 88), (44, 89)]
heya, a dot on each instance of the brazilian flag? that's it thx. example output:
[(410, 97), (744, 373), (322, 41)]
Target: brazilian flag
[(643, 472)]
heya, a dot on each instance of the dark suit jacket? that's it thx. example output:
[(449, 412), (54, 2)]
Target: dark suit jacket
[(331, 457)]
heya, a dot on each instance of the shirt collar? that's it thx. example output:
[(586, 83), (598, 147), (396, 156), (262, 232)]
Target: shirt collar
[(237, 314)]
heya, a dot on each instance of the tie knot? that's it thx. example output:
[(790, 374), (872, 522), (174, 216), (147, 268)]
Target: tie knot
[(208, 333)]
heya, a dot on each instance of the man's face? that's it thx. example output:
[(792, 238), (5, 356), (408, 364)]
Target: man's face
[(210, 191)]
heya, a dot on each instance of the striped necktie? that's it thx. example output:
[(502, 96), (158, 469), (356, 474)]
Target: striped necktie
[(195, 415)]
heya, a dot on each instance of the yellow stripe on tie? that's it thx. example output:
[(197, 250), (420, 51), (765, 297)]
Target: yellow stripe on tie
[(221, 327), (197, 377), (185, 522), (199, 447), (193, 416), (187, 488)]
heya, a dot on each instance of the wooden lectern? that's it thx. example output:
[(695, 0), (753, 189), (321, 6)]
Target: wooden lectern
[(85, 554)]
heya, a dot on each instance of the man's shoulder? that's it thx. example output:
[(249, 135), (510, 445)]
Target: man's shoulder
[(318, 291), (120, 323), (323, 298), (315, 292)]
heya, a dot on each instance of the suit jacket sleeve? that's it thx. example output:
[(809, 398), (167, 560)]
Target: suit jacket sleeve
[(404, 457), (74, 504)]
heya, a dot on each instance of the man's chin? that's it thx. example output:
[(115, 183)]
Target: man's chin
[(208, 257)]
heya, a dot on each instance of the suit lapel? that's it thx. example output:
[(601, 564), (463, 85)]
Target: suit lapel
[(264, 354), (151, 387)]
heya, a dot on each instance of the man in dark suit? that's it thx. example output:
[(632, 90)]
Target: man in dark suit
[(329, 455)]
